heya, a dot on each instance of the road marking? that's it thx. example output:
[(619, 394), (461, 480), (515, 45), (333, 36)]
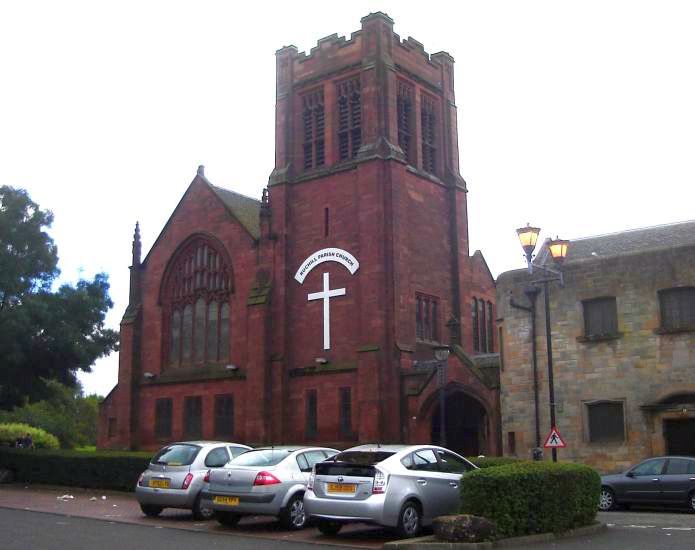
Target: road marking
[(678, 528)]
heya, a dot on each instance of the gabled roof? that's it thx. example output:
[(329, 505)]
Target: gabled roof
[(245, 209), (633, 241)]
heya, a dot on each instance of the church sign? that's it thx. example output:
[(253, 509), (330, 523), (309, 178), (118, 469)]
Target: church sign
[(320, 256)]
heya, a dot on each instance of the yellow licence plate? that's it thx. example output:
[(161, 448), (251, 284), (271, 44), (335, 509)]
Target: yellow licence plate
[(159, 483), (344, 488), (229, 501)]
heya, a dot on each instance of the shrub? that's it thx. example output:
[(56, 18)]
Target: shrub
[(532, 497), (492, 461), (95, 470), (41, 438)]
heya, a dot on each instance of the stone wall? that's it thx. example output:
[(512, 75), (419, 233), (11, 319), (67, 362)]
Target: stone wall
[(641, 366)]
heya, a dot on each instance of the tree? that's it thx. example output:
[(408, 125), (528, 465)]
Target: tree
[(65, 413), (44, 334)]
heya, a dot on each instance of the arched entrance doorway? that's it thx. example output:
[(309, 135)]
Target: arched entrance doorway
[(679, 431), (466, 423)]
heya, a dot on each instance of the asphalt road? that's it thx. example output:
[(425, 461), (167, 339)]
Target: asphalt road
[(23, 530)]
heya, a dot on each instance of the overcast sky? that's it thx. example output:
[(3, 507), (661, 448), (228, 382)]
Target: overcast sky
[(578, 117)]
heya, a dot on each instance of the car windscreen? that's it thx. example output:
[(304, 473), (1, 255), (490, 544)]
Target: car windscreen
[(176, 455), (260, 457)]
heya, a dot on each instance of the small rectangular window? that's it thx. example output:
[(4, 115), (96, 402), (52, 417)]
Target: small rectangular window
[(224, 416), (193, 417), (162, 418), (600, 317), (111, 430), (475, 325), (511, 443), (677, 308), (606, 421), (345, 413), (427, 318), (310, 421)]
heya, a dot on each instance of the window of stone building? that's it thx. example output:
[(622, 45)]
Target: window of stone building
[(111, 428), (224, 416), (314, 128), (195, 299), (600, 317), (677, 308), (162, 418), (405, 113), (349, 118), (511, 443), (192, 417), (483, 326), (426, 318), (605, 421), (428, 132), (310, 417), (475, 325), (345, 412), (490, 328)]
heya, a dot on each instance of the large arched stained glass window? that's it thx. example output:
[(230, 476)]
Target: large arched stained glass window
[(195, 299)]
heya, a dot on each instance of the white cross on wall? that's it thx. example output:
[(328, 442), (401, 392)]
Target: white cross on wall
[(326, 295)]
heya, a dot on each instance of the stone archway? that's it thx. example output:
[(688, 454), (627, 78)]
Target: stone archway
[(466, 423)]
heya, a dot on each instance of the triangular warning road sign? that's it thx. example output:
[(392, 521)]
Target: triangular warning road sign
[(554, 439)]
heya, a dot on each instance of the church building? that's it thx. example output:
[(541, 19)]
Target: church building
[(313, 314)]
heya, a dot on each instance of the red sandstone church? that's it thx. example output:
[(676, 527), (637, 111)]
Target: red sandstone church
[(312, 314)]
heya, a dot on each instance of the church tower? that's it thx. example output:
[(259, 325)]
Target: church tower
[(367, 162)]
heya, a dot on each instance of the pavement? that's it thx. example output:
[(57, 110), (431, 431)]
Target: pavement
[(635, 529)]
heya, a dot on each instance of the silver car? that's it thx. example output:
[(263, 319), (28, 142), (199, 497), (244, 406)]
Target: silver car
[(266, 481), (399, 486), (175, 475)]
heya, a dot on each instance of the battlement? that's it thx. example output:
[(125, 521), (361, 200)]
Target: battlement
[(334, 52)]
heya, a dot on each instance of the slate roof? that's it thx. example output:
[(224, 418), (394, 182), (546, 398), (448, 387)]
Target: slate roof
[(633, 241), (243, 208)]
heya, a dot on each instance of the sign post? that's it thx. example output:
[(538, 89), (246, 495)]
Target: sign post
[(554, 440)]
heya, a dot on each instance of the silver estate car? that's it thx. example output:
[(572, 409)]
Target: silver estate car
[(399, 486), (266, 481), (175, 475)]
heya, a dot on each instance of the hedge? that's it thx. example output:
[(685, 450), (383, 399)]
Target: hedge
[(532, 497), (95, 470), (10, 432), (492, 461)]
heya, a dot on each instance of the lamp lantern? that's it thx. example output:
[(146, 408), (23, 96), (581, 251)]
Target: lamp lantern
[(528, 236), (558, 249), (441, 353)]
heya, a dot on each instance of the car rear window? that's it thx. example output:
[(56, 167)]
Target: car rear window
[(176, 455), (261, 457), (352, 463)]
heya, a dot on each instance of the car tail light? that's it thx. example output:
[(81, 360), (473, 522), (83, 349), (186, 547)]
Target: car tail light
[(265, 478), (187, 480), (312, 479), (141, 479), (206, 479), (380, 482)]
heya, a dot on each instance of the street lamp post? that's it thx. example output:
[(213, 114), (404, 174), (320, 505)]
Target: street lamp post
[(528, 237), (441, 354)]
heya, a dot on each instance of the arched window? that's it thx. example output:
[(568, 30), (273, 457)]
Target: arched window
[(195, 299)]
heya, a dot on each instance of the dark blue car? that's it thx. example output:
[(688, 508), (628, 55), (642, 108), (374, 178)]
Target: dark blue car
[(660, 480)]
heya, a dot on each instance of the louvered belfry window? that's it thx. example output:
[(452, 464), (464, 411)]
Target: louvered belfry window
[(428, 134), (196, 298), (349, 118), (404, 103), (427, 318), (314, 127)]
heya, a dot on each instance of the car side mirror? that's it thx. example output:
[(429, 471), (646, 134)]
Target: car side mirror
[(630, 474)]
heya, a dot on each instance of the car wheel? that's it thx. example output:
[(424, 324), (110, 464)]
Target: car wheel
[(293, 516), (201, 512), (606, 499), (409, 521), (228, 519), (329, 528), (691, 502), (151, 511)]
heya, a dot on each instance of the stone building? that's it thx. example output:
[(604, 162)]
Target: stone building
[(311, 315), (623, 337)]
